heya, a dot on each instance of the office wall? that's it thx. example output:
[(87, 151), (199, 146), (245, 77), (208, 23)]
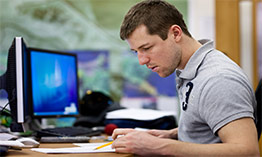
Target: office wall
[(201, 19), (238, 34)]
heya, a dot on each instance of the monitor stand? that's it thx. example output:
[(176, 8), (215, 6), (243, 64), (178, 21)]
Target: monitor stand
[(29, 125), (32, 124)]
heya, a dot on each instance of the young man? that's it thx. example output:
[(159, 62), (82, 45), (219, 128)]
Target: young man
[(217, 100)]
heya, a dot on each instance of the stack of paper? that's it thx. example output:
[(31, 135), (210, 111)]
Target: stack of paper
[(82, 148)]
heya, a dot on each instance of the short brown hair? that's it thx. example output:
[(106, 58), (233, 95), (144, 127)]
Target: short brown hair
[(157, 15)]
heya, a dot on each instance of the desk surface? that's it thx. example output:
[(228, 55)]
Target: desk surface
[(28, 152)]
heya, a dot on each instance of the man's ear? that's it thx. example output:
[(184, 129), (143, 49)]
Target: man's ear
[(176, 32)]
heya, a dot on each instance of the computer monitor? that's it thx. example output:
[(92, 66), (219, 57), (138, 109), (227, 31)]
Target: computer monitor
[(54, 83), (14, 81)]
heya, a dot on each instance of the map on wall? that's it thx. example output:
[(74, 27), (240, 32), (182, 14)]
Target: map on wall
[(93, 73)]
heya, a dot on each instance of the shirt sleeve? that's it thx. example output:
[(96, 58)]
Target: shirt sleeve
[(225, 99)]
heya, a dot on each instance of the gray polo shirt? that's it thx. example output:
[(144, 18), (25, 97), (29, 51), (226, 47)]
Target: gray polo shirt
[(213, 91)]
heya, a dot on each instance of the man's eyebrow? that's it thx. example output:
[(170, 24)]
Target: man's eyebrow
[(142, 46), (139, 47)]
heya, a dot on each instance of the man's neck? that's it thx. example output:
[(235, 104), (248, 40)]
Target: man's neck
[(189, 47)]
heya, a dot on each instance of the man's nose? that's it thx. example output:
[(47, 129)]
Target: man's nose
[(142, 58)]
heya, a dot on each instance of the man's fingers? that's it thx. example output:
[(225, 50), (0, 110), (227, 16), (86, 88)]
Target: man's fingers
[(121, 150), (121, 132)]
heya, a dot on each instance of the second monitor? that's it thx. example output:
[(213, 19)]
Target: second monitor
[(54, 91), (54, 83)]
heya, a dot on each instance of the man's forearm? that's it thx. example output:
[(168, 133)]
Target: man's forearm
[(178, 148)]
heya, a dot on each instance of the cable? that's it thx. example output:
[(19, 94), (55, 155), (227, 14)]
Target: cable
[(3, 108), (5, 115)]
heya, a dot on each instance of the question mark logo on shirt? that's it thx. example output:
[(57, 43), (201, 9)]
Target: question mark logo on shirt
[(184, 104)]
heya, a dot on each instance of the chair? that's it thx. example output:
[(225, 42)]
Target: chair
[(258, 94)]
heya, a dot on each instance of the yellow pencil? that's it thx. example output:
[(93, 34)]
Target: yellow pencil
[(104, 145)]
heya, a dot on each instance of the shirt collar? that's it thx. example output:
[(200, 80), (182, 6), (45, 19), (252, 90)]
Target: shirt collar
[(191, 68)]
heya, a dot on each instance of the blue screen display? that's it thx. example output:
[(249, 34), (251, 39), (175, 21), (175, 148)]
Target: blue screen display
[(54, 84)]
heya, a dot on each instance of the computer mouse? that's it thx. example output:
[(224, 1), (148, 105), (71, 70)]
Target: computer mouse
[(28, 142)]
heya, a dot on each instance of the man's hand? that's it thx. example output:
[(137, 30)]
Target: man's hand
[(136, 142), (118, 132)]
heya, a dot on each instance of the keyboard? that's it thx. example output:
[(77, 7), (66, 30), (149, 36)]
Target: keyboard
[(68, 131), (65, 139)]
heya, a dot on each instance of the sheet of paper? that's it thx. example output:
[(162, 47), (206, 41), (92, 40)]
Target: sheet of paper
[(6, 136), (12, 143), (83, 148), (138, 114)]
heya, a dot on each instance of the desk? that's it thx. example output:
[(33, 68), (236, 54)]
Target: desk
[(28, 152)]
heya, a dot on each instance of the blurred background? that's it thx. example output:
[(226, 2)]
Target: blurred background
[(90, 28)]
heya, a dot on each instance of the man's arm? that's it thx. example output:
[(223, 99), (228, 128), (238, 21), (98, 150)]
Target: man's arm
[(239, 139)]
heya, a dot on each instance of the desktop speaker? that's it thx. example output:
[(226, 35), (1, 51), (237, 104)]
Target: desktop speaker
[(93, 108), (93, 103)]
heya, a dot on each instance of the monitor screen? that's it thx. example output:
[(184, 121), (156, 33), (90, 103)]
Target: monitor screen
[(54, 83)]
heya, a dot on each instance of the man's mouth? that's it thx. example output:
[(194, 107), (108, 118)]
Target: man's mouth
[(153, 68)]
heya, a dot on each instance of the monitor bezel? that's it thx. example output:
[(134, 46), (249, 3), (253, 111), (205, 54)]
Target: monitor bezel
[(14, 82), (19, 49), (31, 105)]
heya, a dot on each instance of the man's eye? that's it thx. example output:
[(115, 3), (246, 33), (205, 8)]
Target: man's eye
[(134, 51), (146, 48)]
